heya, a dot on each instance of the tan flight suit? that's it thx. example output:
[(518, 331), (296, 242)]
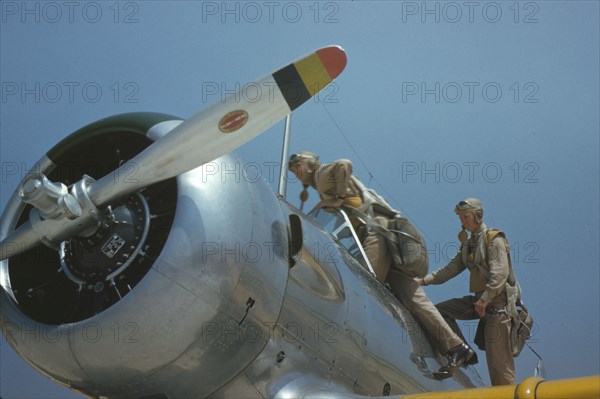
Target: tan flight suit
[(333, 179), (494, 258)]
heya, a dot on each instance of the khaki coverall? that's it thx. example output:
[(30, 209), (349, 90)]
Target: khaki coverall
[(333, 179), (494, 258)]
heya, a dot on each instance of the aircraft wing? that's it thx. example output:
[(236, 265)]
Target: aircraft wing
[(530, 388), (533, 387)]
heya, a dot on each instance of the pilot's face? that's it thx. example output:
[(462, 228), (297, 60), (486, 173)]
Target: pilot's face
[(468, 220), (300, 169)]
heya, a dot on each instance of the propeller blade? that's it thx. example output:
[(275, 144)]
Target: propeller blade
[(202, 138), (224, 126)]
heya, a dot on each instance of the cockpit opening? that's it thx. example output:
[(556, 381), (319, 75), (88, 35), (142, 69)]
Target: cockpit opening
[(338, 223)]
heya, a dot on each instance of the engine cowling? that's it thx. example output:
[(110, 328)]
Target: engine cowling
[(173, 293)]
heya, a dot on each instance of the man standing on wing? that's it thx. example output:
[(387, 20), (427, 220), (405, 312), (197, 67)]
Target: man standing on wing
[(487, 256)]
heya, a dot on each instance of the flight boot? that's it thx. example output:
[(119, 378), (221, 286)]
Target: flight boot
[(456, 357)]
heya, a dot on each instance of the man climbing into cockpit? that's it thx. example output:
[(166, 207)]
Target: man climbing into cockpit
[(338, 188)]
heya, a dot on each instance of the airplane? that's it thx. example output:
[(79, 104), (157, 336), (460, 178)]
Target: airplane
[(131, 270)]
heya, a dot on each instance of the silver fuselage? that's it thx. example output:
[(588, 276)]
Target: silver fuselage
[(226, 310)]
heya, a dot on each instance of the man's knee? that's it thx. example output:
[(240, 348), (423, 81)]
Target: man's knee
[(444, 309)]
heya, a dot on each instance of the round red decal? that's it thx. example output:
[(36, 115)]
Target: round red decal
[(233, 121)]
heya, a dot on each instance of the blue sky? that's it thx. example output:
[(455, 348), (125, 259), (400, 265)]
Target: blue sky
[(440, 101)]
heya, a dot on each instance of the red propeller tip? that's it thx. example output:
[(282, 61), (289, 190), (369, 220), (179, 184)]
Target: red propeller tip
[(334, 60)]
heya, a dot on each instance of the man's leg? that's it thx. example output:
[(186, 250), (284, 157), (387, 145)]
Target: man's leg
[(498, 345), (377, 252), (457, 309), (412, 295)]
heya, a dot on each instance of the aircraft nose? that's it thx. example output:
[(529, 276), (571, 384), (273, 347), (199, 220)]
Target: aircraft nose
[(214, 292)]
